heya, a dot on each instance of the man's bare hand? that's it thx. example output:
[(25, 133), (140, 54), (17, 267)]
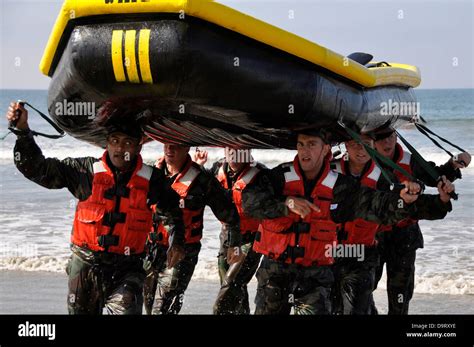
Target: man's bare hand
[(17, 113), (444, 188), (301, 207), (461, 161), (410, 193), (159, 161), (200, 157), (174, 255), (234, 255)]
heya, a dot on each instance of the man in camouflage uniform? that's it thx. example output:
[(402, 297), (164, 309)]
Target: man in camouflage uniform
[(165, 286), (234, 172), (355, 276), (398, 247), (112, 219), (302, 205)]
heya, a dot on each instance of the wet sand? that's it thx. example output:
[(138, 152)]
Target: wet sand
[(24, 292)]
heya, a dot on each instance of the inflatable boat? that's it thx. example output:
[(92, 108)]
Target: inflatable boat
[(196, 72)]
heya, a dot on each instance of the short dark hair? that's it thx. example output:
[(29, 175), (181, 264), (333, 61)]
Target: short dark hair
[(382, 133), (126, 128), (323, 134)]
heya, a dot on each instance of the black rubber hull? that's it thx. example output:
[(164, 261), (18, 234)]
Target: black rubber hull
[(210, 87)]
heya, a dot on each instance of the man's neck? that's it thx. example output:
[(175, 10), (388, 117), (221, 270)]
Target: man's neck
[(313, 174), (175, 168), (356, 169), (121, 170)]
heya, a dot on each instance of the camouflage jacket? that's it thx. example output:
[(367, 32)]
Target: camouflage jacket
[(264, 199), (446, 169), (413, 231), (206, 190), (76, 174)]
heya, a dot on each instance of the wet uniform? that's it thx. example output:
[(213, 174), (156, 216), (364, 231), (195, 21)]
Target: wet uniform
[(164, 288), (355, 277), (233, 296), (398, 247), (296, 270), (112, 219)]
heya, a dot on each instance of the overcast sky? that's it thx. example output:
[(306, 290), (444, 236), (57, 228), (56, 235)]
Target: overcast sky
[(436, 36)]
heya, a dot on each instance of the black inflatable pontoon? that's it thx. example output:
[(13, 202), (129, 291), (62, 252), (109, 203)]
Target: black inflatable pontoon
[(200, 73)]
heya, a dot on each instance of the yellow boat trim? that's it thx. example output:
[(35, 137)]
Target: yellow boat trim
[(241, 23), (144, 55), (130, 60), (117, 60)]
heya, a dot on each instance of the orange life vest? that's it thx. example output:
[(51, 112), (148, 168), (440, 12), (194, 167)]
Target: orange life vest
[(291, 239), (403, 160), (193, 219), (360, 231), (117, 221), (246, 177)]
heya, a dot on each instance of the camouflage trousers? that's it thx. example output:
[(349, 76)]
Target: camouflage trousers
[(397, 250), (164, 288), (113, 282), (233, 297), (354, 282), (284, 286)]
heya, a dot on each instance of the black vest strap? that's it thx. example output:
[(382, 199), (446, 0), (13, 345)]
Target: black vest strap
[(292, 252), (108, 240), (120, 191), (300, 227), (113, 218)]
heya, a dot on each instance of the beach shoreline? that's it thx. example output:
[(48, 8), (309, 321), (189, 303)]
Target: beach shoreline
[(37, 292)]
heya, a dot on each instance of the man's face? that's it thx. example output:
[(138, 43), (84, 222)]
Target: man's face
[(175, 154), (311, 152), (386, 146), (357, 153), (122, 149)]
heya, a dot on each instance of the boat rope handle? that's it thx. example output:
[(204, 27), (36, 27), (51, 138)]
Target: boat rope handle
[(12, 126)]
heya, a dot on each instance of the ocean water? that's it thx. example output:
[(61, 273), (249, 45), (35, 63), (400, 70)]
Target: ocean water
[(35, 223)]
